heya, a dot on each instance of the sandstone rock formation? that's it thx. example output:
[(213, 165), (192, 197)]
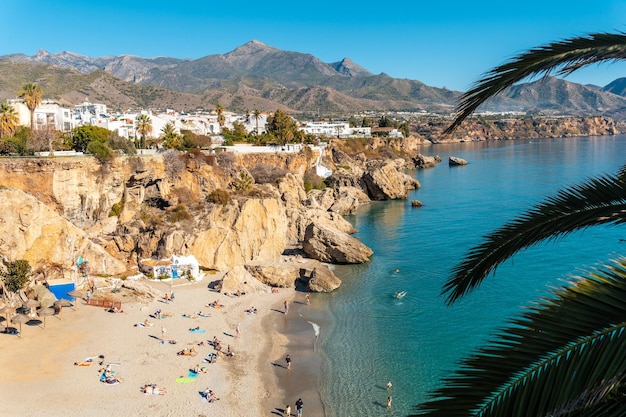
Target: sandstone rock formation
[(33, 231), (331, 245), (156, 206), (453, 161)]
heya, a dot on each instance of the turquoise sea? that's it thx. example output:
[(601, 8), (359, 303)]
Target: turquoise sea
[(368, 336)]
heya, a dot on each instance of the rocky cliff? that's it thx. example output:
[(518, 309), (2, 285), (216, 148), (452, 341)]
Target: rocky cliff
[(56, 210)]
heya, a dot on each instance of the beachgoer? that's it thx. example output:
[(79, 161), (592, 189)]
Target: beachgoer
[(286, 306), (308, 299), (299, 405), (389, 401), (388, 384), (238, 330), (288, 360), (88, 296), (167, 298), (163, 332), (287, 410)]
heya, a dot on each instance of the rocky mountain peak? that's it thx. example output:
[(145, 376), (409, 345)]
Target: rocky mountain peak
[(250, 48), (347, 67), (41, 54)]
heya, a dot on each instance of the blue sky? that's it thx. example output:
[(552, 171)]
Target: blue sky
[(440, 43)]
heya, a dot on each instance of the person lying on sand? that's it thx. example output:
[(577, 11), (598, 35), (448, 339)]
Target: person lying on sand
[(215, 304), (189, 316), (251, 310), (111, 380), (187, 352), (152, 389), (144, 323)]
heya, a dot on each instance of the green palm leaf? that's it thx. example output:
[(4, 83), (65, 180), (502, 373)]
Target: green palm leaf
[(563, 357), (562, 57), (598, 201)]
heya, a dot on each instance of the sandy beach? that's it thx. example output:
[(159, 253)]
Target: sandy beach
[(39, 377)]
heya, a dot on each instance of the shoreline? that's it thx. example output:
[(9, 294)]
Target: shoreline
[(40, 377), (296, 336)]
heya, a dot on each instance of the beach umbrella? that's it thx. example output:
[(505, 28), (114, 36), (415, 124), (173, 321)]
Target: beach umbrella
[(31, 304), (19, 319), (63, 303), (45, 312), (7, 312), (76, 294)]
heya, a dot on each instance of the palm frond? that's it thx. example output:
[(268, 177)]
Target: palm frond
[(562, 58), (565, 356), (598, 201)]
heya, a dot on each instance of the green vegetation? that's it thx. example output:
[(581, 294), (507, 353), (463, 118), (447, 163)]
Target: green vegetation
[(117, 208), (178, 213), (17, 275), (243, 182), (219, 196), (313, 181), (565, 355)]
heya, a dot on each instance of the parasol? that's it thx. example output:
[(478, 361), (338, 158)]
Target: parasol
[(63, 303), (45, 312), (7, 311), (76, 295), (19, 319)]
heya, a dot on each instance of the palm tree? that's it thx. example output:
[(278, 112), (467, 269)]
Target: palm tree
[(9, 120), (567, 355), (257, 115), (219, 109), (170, 138), (31, 93), (143, 124)]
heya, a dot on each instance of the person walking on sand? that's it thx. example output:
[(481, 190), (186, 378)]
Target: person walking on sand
[(238, 330), (307, 298), (163, 332), (286, 306), (299, 405), (287, 410), (288, 360)]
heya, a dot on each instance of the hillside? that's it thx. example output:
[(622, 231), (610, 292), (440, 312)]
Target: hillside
[(258, 76)]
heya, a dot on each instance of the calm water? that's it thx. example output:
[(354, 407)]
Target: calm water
[(369, 337)]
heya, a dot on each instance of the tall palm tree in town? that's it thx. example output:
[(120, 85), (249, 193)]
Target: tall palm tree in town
[(143, 124), (219, 109), (9, 120), (31, 93), (565, 356), (257, 115)]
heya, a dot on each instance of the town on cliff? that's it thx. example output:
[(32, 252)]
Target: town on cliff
[(252, 214)]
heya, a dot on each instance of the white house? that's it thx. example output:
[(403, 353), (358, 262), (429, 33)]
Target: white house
[(47, 114), (335, 129)]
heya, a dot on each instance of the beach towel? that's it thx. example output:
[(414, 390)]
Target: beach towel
[(192, 374), (197, 330), (183, 380)]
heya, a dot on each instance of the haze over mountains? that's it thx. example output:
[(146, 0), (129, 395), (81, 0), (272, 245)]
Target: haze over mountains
[(258, 76)]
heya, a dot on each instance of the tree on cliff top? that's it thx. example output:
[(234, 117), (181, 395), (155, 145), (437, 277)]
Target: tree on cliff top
[(17, 275), (144, 126), (565, 356), (31, 93), (9, 120)]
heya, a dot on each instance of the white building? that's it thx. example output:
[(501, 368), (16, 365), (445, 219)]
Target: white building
[(335, 129), (47, 114)]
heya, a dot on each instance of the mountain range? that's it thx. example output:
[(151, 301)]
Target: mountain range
[(258, 76)]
